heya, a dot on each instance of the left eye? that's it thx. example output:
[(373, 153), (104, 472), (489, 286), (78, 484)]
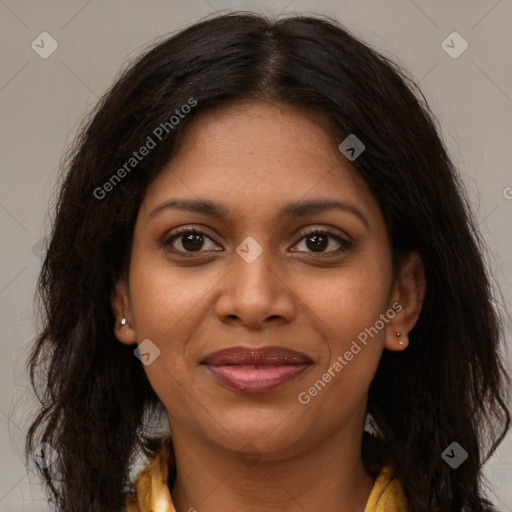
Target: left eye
[(316, 241)]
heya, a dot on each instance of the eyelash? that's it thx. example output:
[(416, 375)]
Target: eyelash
[(344, 243)]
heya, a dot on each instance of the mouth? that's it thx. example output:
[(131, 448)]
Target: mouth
[(256, 370)]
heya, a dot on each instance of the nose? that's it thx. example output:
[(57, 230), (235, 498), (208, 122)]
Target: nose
[(254, 293)]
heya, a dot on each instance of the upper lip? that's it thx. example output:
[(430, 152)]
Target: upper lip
[(265, 355)]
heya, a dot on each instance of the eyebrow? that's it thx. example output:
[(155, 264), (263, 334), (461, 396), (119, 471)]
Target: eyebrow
[(291, 210)]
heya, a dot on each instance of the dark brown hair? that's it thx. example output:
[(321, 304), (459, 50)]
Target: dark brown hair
[(449, 385)]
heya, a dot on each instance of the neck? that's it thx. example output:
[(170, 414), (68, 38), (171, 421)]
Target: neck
[(328, 476)]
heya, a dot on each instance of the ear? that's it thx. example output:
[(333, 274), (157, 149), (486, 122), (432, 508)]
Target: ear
[(120, 304), (406, 299)]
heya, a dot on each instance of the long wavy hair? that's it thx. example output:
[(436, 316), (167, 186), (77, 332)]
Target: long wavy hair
[(449, 385)]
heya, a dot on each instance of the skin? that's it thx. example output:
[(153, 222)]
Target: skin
[(253, 159)]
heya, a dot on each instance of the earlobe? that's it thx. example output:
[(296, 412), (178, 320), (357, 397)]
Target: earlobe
[(408, 292), (396, 341), (120, 305)]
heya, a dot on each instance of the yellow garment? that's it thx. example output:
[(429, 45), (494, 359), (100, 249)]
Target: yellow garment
[(152, 493)]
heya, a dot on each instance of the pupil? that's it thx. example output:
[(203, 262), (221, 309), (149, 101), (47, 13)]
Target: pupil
[(192, 242), (319, 242)]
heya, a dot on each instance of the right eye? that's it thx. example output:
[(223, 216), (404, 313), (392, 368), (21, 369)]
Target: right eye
[(190, 240)]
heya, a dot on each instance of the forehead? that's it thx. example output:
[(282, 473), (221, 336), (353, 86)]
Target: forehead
[(258, 156)]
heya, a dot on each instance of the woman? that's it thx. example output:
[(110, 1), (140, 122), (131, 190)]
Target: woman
[(261, 236)]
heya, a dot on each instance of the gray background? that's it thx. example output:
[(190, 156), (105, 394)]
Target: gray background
[(42, 101)]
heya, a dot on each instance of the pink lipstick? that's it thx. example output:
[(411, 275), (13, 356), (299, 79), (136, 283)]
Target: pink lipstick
[(256, 370)]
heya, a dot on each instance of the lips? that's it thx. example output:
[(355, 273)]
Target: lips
[(256, 370)]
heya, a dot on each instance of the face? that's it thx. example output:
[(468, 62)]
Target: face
[(263, 270)]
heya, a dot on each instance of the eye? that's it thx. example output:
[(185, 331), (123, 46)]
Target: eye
[(317, 240), (190, 240)]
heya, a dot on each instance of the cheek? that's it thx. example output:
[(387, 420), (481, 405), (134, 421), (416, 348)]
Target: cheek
[(166, 305), (349, 315), (166, 308), (164, 297), (354, 340), (356, 299)]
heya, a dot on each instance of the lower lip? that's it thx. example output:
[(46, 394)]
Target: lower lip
[(249, 379)]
